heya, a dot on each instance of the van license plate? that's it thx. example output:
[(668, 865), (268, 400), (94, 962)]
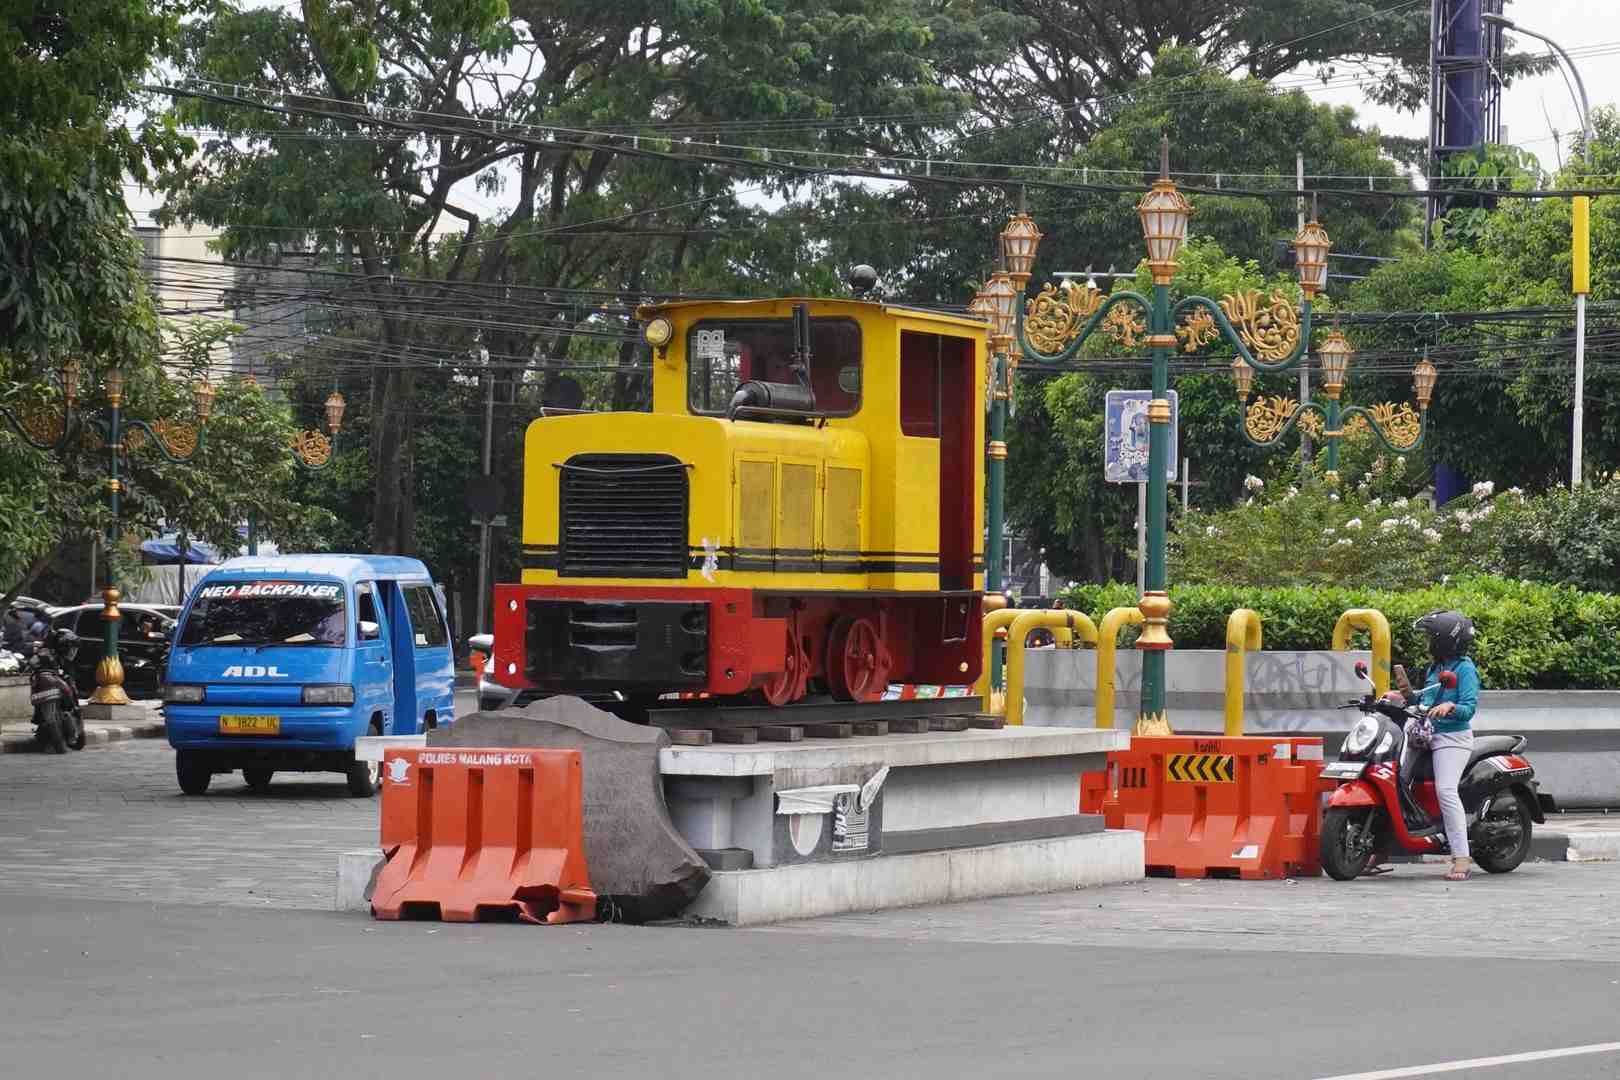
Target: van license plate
[(249, 725)]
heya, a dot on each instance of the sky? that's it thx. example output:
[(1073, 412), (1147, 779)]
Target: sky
[(1531, 107)]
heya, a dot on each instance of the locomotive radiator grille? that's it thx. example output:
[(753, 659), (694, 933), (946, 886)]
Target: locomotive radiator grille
[(622, 515)]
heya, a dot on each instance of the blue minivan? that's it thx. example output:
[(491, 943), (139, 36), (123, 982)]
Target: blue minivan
[(280, 663)]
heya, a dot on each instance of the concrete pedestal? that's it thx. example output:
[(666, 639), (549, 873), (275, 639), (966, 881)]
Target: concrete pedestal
[(115, 714)]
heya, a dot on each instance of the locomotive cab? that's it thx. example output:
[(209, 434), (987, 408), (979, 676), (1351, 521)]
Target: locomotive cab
[(800, 513)]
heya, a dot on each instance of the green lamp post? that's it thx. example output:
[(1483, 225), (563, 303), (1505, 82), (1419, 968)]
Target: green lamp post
[(120, 435), (1268, 334)]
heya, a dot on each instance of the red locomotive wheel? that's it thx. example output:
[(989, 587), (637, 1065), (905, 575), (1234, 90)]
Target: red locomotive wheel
[(857, 663), (787, 686)]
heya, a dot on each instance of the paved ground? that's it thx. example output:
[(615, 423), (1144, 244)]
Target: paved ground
[(145, 934)]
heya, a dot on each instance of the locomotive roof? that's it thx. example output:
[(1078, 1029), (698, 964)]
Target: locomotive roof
[(955, 318)]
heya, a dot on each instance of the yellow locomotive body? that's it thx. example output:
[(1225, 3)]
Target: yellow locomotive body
[(801, 509)]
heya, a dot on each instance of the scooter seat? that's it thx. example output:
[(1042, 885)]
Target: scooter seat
[(1484, 746)]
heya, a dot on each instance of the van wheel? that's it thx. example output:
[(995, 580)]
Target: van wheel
[(258, 780), (192, 770), (363, 776)]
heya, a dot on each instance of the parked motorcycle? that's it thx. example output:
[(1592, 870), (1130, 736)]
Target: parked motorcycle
[(58, 726), (1372, 812)]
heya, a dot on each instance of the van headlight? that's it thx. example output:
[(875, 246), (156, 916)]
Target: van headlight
[(1361, 736), (182, 694), (334, 694)]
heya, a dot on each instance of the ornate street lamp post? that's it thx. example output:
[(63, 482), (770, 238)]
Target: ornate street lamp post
[(1268, 420), (311, 451), (1268, 334), (177, 442)]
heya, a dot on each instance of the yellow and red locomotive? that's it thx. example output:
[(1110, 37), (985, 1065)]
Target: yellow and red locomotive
[(801, 511)]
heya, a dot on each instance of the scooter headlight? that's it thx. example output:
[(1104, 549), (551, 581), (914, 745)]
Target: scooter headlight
[(1361, 736), (1386, 744)]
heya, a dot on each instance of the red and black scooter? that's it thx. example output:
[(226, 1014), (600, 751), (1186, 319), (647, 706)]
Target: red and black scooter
[(1369, 814)]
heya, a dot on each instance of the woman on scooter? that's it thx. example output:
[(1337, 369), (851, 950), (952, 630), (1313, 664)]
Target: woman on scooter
[(1451, 714)]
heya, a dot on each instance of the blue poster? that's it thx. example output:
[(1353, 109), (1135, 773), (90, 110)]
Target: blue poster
[(1125, 437)]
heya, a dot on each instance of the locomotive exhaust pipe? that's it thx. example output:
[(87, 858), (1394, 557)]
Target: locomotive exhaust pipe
[(797, 397)]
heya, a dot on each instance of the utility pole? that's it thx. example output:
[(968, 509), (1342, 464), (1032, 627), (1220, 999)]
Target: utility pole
[(483, 519)]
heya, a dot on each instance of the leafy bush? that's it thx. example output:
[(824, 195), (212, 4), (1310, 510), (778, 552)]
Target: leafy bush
[(1530, 636)]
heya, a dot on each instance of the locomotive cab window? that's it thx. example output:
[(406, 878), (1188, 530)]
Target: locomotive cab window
[(722, 355)]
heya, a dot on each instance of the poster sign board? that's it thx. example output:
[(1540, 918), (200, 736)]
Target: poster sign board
[(1125, 437)]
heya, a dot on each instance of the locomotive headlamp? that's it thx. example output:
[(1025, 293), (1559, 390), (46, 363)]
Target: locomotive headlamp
[(1361, 736), (657, 332)]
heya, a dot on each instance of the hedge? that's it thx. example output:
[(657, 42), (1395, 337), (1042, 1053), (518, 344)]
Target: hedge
[(1530, 636)]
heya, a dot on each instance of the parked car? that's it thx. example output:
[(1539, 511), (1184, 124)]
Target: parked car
[(145, 653)]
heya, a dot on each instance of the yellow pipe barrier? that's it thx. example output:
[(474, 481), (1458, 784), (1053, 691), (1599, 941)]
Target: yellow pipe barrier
[(1074, 622), (993, 621), (1377, 626), (1242, 636), (1107, 642)]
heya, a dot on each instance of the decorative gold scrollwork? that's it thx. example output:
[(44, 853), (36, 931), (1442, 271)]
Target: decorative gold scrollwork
[(180, 440), (312, 448), (1124, 325), (1355, 426), (1267, 417), (1269, 327), (1052, 320), (134, 439), (1311, 424), (1197, 330), (1400, 425), (43, 423)]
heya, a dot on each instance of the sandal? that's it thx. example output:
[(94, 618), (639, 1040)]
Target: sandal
[(1460, 869)]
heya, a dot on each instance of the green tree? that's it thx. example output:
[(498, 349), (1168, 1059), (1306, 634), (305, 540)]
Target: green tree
[(70, 280)]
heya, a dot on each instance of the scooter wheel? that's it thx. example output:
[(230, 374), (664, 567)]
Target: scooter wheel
[(48, 729), (1347, 841), (1501, 840)]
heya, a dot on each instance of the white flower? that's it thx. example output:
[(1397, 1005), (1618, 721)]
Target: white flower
[(1366, 478), (1333, 496), (1412, 523), (1462, 515), (1401, 503), (1483, 489), (1485, 511), (1329, 532), (1345, 542), (1388, 524), (1253, 483), (1431, 536), (1353, 523), (1375, 504), (1211, 530), (1516, 491), (1466, 527), (1292, 491)]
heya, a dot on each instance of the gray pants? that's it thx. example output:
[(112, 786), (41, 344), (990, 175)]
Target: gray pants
[(1451, 750)]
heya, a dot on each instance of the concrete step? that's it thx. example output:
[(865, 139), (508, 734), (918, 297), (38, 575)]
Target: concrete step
[(17, 736)]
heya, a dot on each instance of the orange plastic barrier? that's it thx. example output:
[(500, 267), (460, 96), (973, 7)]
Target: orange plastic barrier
[(475, 832), (1245, 807)]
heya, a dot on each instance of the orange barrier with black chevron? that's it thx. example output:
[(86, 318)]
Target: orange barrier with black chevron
[(1242, 807), (483, 832)]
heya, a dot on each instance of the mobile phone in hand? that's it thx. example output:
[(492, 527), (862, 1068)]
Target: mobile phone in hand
[(1401, 680)]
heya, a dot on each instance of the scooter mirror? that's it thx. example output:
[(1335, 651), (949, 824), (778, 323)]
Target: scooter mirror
[(1448, 680), (1361, 669)]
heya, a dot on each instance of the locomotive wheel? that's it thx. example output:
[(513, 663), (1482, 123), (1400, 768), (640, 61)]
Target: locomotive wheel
[(857, 663), (787, 686)]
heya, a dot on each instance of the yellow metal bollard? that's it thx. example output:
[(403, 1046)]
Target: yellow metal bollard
[(1377, 626), (1077, 624), (993, 621), (1107, 642), (1242, 635)]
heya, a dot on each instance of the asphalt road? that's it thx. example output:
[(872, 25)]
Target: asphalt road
[(143, 934)]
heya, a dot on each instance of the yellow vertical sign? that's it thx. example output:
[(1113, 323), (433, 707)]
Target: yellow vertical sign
[(1582, 239)]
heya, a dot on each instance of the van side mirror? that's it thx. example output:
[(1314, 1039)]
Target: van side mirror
[(1448, 680), (369, 631)]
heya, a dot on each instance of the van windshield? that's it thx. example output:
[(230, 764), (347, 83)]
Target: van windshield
[(267, 612)]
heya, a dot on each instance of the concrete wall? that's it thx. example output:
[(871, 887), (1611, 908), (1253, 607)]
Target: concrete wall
[(14, 698), (1574, 734)]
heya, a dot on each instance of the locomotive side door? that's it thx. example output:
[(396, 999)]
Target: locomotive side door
[(937, 393)]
